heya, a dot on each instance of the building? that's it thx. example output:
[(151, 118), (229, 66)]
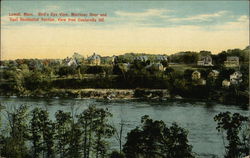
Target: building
[(196, 75), (94, 59), (236, 78), (70, 62), (225, 83), (78, 58), (202, 82), (115, 60), (205, 61), (156, 67), (141, 58), (214, 74), (106, 60), (161, 58), (232, 61)]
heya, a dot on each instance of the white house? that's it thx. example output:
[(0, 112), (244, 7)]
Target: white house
[(70, 62), (232, 61), (142, 58), (114, 59), (202, 82), (196, 75), (162, 58), (236, 78), (156, 66), (214, 74), (205, 61), (94, 59), (226, 83)]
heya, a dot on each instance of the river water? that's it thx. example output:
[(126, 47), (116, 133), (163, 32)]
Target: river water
[(196, 117)]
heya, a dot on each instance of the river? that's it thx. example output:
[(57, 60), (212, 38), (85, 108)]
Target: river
[(196, 117)]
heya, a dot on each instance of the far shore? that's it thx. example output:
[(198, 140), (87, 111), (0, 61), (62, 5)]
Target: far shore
[(113, 94)]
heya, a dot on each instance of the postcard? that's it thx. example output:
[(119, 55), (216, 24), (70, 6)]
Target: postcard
[(124, 79)]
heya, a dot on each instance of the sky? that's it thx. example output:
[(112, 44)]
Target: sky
[(153, 27)]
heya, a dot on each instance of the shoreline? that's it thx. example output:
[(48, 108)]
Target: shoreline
[(115, 94)]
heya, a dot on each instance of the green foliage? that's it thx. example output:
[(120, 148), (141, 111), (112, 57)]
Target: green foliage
[(116, 154), (185, 57), (154, 140), (36, 134), (63, 125), (169, 70), (67, 70), (36, 80), (42, 133), (75, 135), (96, 130), (204, 53), (15, 81), (103, 130), (14, 144), (231, 125)]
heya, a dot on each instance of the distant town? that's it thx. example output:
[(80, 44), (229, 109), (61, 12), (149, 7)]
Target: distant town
[(223, 77)]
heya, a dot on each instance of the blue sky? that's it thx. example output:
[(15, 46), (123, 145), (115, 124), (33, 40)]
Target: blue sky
[(163, 27), (147, 13)]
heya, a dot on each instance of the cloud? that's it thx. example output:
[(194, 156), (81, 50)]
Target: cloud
[(200, 17), (243, 18), (147, 13), (142, 19), (241, 23)]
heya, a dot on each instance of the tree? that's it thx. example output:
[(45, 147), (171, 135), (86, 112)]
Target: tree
[(15, 144), (49, 134), (48, 71), (74, 149), (133, 147), (176, 143), (15, 81), (96, 129), (36, 135), (43, 133), (67, 70), (116, 154), (169, 70), (86, 119), (231, 125), (63, 125), (102, 130), (155, 140), (119, 134), (33, 81)]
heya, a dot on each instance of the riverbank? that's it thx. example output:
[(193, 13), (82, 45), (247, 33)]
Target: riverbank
[(223, 97), (95, 93)]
